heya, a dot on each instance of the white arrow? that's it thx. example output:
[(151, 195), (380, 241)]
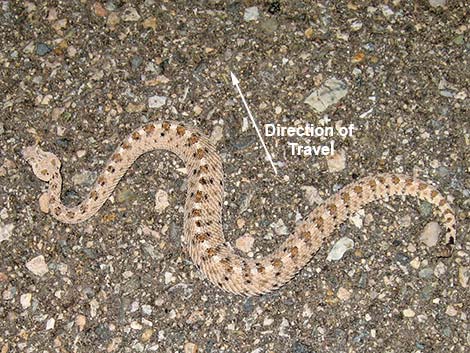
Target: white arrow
[(236, 82)]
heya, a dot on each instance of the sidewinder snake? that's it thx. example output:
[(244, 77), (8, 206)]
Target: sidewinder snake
[(203, 236)]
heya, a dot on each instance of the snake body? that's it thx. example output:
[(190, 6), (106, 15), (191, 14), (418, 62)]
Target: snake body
[(203, 235)]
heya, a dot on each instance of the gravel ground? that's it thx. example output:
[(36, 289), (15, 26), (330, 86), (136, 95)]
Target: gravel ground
[(78, 76)]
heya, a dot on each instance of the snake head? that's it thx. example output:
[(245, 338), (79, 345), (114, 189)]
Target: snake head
[(44, 164)]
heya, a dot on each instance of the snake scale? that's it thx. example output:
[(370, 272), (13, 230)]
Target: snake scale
[(203, 235)]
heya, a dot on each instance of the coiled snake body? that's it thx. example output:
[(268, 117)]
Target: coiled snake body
[(203, 235)]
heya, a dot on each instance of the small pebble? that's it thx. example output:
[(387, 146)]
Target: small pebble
[(135, 107), (386, 11), (343, 294), (25, 300), (464, 273), (337, 162), (71, 51), (50, 324), (3, 277), (440, 269), (402, 258), (100, 11), (356, 26), (430, 234), (37, 266), (147, 334), (150, 22), (85, 178), (197, 110), (437, 3), (169, 278), (279, 227), (358, 218), (425, 209), (80, 321), (81, 153), (328, 94), (161, 201), (311, 195), (190, 347), (415, 263), (245, 243), (6, 231), (136, 61), (157, 101), (43, 49), (267, 321), (127, 274), (240, 223), (309, 33), (130, 15), (217, 133), (307, 312), (408, 313), (251, 14), (113, 20), (338, 250), (451, 311), (136, 326), (426, 272), (146, 309)]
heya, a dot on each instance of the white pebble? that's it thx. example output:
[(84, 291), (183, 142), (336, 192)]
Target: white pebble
[(356, 26), (430, 234), (415, 263), (436, 3), (50, 324), (146, 309), (245, 243), (136, 326), (217, 133), (312, 195), (169, 277), (6, 231), (25, 300), (343, 294), (337, 162), (130, 15), (308, 312), (37, 266), (134, 306), (282, 327), (357, 218), (341, 246), (127, 274), (464, 274), (440, 269), (451, 311), (161, 200), (267, 321), (408, 313), (279, 227), (386, 11), (94, 305), (81, 153), (328, 94), (251, 14), (157, 101)]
